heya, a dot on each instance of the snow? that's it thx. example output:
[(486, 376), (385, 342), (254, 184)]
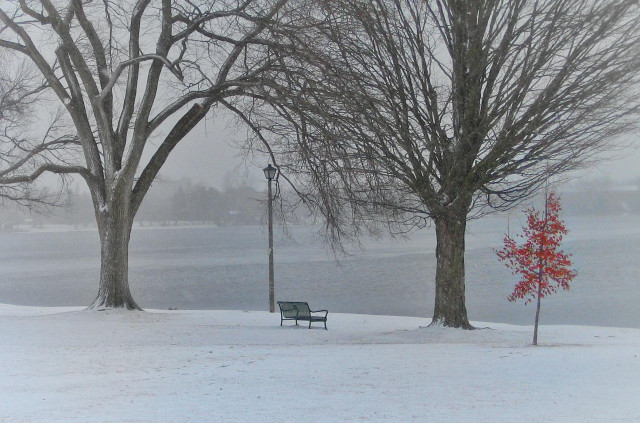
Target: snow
[(74, 365)]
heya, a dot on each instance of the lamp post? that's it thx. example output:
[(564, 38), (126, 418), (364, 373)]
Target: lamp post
[(270, 174)]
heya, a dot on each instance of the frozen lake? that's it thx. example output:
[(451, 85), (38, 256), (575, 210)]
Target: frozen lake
[(226, 268)]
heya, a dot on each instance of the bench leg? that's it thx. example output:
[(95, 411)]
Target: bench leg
[(325, 325)]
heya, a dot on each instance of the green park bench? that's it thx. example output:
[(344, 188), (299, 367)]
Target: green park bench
[(298, 310)]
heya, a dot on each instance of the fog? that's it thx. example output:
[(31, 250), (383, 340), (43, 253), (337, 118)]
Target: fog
[(620, 166), (210, 155)]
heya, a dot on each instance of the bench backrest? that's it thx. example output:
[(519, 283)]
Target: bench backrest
[(292, 309)]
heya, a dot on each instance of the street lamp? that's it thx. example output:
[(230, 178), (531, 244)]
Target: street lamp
[(270, 173)]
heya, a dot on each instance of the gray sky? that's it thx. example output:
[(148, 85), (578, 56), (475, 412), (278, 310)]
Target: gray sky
[(620, 166), (207, 155)]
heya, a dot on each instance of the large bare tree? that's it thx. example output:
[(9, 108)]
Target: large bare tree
[(135, 77), (398, 112)]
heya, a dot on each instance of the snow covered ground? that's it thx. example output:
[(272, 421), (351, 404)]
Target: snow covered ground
[(71, 365)]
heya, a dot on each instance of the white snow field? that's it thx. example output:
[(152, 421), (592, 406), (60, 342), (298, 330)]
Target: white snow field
[(71, 365)]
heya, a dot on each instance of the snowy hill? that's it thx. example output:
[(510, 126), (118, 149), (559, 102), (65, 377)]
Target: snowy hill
[(70, 365)]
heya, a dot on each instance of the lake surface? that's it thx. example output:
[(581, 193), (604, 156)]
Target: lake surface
[(226, 268)]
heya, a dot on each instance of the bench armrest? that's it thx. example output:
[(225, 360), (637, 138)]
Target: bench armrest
[(320, 311)]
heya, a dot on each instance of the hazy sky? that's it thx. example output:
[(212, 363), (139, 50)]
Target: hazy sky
[(624, 166), (206, 156)]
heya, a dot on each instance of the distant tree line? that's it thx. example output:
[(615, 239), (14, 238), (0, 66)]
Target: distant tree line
[(185, 202), (168, 203)]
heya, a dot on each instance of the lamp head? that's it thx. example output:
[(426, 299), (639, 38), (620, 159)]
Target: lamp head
[(270, 172)]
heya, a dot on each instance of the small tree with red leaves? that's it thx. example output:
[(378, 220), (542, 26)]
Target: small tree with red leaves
[(542, 266)]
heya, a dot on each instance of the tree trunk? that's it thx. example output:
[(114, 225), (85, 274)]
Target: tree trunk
[(450, 309), (114, 224), (535, 327)]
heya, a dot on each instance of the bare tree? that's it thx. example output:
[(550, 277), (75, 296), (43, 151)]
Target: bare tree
[(127, 71), (24, 152), (400, 112)]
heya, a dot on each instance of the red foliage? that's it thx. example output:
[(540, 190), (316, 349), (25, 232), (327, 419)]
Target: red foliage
[(538, 260)]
